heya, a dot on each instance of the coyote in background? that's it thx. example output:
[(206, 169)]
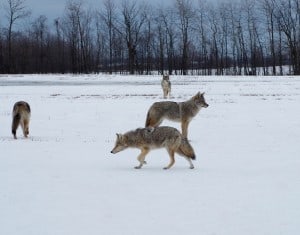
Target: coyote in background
[(146, 139), (21, 115), (166, 86), (179, 112)]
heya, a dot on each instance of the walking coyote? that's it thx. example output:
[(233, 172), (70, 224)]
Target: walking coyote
[(146, 139), (21, 116), (166, 86), (179, 112)]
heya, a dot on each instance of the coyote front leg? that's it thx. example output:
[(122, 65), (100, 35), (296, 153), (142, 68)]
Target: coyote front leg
[(141, 158), (184, 128)]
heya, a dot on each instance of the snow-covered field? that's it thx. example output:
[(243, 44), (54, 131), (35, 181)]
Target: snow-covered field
[(63, 180)]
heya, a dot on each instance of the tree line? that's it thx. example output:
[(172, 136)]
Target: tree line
[(246, 37)]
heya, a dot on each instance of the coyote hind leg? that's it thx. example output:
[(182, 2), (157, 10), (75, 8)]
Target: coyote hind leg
[(172, 159), (26, 128), (190, 162)]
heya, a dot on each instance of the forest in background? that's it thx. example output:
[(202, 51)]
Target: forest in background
[(247, 37)]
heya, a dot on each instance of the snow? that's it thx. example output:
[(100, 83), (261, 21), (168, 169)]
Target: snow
[(64, 180)]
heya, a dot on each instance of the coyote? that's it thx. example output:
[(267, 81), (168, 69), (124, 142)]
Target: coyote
[(21, 115), (180, 112), (146, 139), (166, 86)]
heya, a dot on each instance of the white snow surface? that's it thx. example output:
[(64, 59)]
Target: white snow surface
[(63, 180)]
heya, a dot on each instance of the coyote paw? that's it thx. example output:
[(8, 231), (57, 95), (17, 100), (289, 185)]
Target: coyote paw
[(192, 167), (165, 168), (137, 167)]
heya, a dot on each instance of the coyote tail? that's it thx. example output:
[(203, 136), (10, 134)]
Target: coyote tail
[(186, 149), (28, 107), (15, 123)]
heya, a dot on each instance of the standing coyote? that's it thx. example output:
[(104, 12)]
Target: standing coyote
[(21, 115), (166, 86), (146, 139), (179, 112)]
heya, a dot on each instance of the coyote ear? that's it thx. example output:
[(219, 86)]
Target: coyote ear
[(195, 97), (120, 137), (203, 93)]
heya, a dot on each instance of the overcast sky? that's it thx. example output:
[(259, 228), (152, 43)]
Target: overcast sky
[(55, 8)]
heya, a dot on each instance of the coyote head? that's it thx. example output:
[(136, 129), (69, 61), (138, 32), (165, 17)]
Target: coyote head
[(166, 77), (199, 100), (120, 144)]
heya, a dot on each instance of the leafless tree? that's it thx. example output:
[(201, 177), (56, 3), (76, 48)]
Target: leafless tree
[(160, 42), (288, 15), (15, 10), (60, 62), (130, 27), (78, 27), (40, 30), (186, 15), (109, 16), (148, 40), (243, 37), (169, 21), (269, 12)]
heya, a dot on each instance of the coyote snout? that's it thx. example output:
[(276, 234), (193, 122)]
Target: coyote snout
[(202, 103), (21, 116), (146, 139), (182, 112), (120, 144)]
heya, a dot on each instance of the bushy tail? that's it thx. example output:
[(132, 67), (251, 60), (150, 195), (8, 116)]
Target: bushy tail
[(186, 149), (27, 107), (15, 123)]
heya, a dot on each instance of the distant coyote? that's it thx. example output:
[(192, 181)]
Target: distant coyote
[(166, 86), (146, 139), (21, 115), (179, 112)]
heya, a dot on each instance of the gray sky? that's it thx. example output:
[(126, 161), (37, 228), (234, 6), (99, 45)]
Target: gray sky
[(55, 8)]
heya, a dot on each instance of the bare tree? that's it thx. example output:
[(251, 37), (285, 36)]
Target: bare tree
[(215, 29), (202, 38), (78, 27), (186, 15), (130, 28), (60, 61), (148, 41), (160, 42), (220, 37), (15, 10), (1, 53), (269, 12), (109, 17), (168, 17), (288, 15), (40, 29)]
